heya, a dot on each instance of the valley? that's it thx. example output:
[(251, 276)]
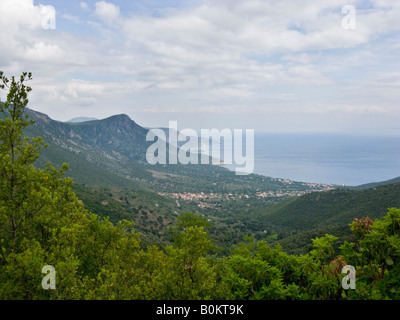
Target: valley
[(107, 162)]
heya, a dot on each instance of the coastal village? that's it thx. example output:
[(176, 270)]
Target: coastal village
[(209, 200)]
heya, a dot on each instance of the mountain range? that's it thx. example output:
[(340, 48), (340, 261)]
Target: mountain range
[(107, 161), (117, 145)]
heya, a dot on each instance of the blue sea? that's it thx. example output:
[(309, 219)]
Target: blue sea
[(327, 158)]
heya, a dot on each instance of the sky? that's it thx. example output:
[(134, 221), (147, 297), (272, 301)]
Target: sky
[(273, 66)]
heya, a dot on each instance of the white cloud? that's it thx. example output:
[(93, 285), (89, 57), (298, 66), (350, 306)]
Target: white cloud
[(47, 53), (19, 14), (107, 12), (213, 44), (220, 56)]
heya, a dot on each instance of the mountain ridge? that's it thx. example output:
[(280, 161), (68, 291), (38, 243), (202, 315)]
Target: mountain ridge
[(376, 184), (100, 153), (118, 144), (331, 211)]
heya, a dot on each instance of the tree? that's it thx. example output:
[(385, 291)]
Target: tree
[(16, 156), (42, 222), (187, 272), (376, 255), (184, 222)]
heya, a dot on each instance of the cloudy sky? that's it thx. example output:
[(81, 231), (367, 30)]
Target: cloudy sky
[(274, 66)]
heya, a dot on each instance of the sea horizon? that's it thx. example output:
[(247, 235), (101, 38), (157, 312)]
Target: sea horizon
[(329, 158)]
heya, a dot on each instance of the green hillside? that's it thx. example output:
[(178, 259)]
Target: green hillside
[(335, 207), (105, 158), (292, 223), (110, 153), (376, 184), (153, 214), (297, 220)]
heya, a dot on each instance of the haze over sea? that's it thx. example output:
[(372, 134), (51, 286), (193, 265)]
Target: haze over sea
[(327, 158)]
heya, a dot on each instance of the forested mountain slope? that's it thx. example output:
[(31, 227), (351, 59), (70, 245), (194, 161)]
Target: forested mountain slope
[(297, 220)]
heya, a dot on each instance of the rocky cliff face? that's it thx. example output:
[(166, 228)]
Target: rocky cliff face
[(119, 136)]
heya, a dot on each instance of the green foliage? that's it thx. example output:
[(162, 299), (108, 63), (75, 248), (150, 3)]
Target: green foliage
[(187, 274), (43, 223), (186, 222), (298, 220), (378, 254)]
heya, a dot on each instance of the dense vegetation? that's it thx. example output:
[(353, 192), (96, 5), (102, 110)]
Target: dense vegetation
[(42, 222), (292, 223), (297, 220)]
